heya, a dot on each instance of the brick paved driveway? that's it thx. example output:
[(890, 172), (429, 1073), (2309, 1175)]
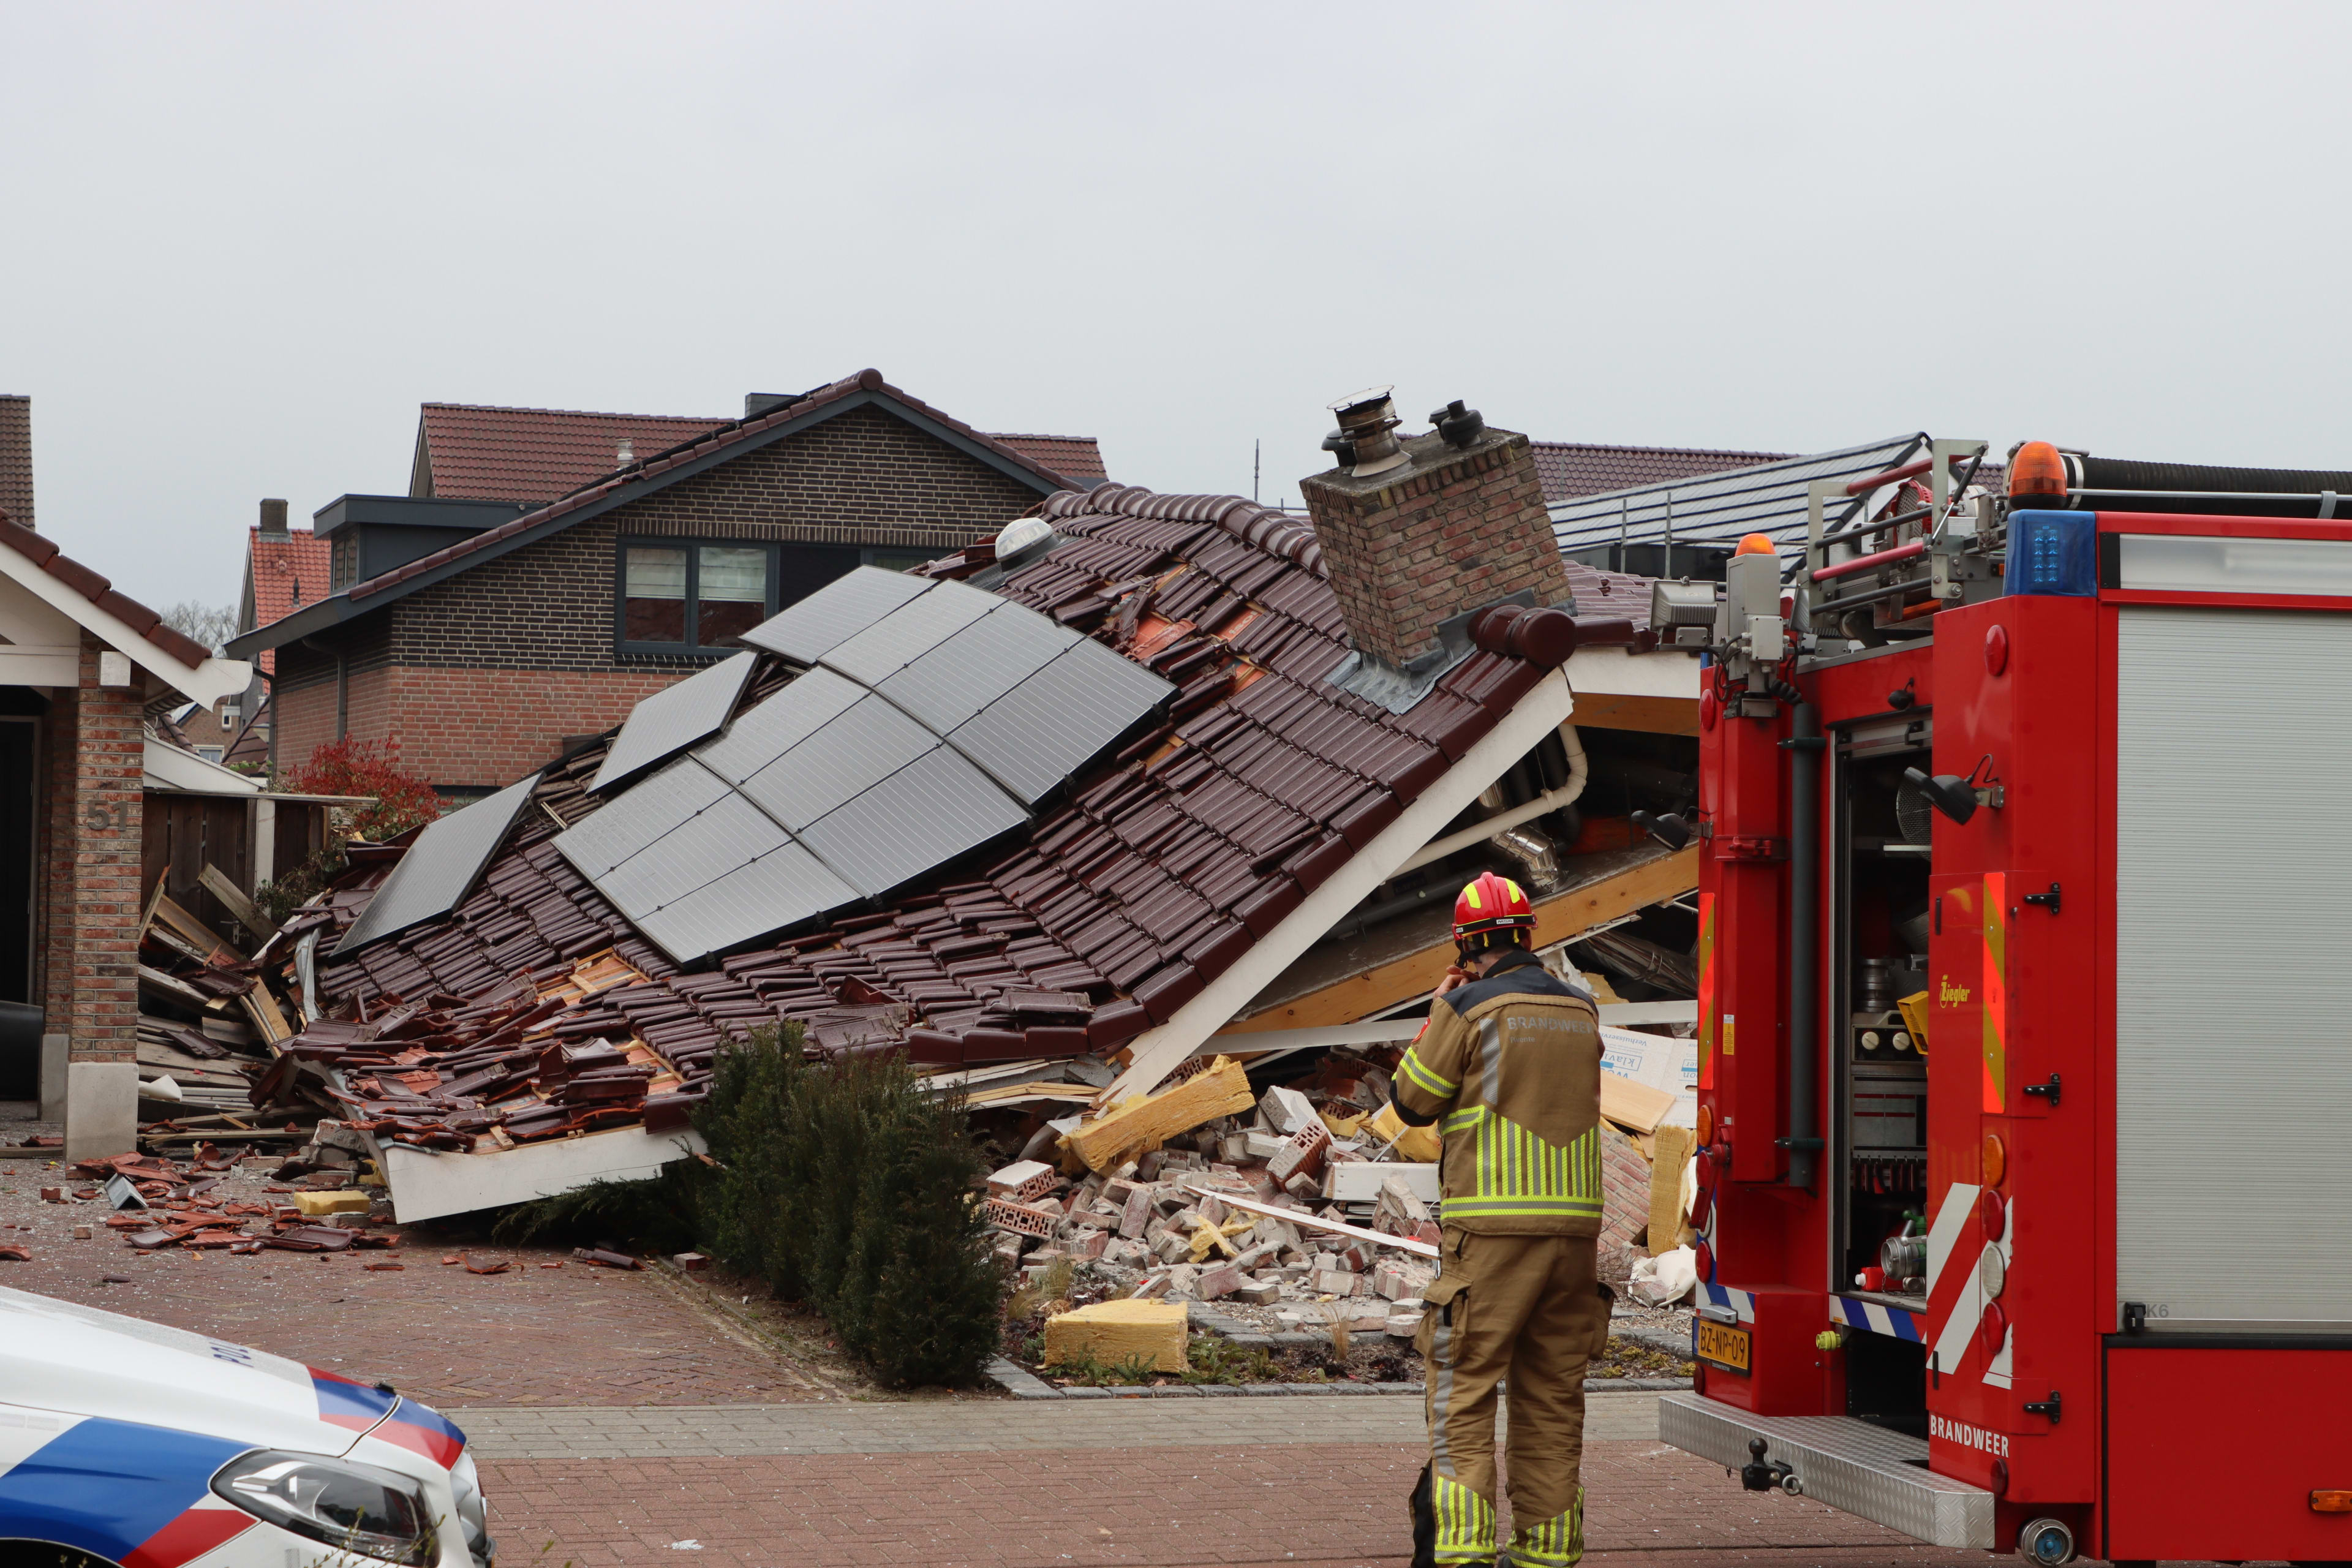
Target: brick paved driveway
[(571, 1336)]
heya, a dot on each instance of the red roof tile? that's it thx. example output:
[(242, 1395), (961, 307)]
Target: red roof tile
[(99, 590), (1073, 457), (475, 452), (1572, 469), (647, 466), (286, 574), (534, 454)]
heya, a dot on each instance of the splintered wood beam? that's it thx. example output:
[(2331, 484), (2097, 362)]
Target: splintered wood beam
[(1140, 1125), (234, 900), (262, 1008), (1558, 919)]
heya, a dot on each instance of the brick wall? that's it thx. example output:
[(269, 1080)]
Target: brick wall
[(482, 676), (104, 897), (490, 727), (1447, 532)]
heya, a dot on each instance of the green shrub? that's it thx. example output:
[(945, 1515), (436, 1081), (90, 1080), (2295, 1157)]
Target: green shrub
[(657, 1212), (848, 1187)]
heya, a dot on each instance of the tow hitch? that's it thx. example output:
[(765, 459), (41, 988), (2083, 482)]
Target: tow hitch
[(1762, 1475)]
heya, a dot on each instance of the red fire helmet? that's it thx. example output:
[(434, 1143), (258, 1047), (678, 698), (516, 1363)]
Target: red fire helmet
[(1491, 903)]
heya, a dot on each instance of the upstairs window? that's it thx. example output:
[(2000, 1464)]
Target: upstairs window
[(683, 597)]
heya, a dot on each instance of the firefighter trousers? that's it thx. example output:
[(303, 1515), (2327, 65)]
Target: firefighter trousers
[(1531, 1308)]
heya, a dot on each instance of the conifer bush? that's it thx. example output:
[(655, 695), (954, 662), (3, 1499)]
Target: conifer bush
[(846, 1186)]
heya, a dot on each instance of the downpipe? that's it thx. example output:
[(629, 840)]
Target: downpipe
[(1805, 746), (1579, 770)]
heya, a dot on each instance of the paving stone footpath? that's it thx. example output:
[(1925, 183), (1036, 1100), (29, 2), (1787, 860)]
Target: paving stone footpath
[(1256, 1480)]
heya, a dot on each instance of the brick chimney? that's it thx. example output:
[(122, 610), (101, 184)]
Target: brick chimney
[(1419, 528), (273, 520), (16, 459)]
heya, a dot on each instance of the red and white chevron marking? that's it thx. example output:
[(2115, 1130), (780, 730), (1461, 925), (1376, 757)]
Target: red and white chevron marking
[(1956, 1298)]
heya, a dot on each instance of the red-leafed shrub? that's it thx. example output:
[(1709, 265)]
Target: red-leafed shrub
[(351, 766)]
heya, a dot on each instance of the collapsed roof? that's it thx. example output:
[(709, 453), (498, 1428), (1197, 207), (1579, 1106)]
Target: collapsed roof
[(1131, 883)]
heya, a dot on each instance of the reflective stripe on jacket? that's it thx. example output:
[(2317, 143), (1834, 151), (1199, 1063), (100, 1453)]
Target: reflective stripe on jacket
[(1510, 1067)]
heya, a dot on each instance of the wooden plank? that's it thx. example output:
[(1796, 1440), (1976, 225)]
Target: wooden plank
[(1558, 918), (1140, 1125), (155, 902), (262, 1008), (182, 923), (235, 902), (1655, 715), (177, 990), (1636, 1107), (1316, 1222), (1666, 1165)]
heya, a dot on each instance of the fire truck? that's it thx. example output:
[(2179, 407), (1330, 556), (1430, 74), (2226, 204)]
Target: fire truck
[(2025, 1008)]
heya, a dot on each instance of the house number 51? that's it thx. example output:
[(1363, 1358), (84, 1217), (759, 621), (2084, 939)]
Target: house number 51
[(107, 817)]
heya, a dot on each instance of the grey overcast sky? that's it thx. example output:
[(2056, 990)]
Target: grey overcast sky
[(239, 243)]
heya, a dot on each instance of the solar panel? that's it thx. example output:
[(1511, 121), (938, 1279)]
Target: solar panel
[(440, 867), (926, 814), (806, 631), (728, 833), (778, 889), (775, 726), (932, 716), (1052, 723), (860, 749), (908, 632), (669, 721), (977, 665)]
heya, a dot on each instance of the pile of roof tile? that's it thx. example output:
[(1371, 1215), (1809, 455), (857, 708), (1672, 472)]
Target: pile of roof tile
[(163, 1204), (537, 1056)]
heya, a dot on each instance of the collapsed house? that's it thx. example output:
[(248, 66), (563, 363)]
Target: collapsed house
[(1144, 777)]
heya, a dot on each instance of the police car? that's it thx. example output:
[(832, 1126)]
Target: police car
[(148, 1446)]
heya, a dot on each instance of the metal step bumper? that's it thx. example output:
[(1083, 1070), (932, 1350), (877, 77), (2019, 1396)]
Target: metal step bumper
[(1850, 1465)]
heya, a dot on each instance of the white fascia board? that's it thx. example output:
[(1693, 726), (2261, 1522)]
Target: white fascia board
[(166, 766), (427, 1185), (1619, 672), (1158, 1051), (40, 667), (205, 683)]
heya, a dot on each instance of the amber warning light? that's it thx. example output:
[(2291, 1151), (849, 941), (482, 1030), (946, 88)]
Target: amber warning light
[(2037, 469)]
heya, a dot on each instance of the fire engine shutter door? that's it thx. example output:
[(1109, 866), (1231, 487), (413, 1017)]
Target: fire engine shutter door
[(2233, 995)]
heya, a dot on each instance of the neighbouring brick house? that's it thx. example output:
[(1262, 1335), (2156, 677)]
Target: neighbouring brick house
[(285, 568), (549, 569), (83, 672)]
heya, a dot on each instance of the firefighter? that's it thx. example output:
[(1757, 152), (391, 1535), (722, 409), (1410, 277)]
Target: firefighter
[(1509, 1066)]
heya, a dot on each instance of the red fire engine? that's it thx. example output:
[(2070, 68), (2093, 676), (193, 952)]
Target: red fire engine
[(2023, 1009)]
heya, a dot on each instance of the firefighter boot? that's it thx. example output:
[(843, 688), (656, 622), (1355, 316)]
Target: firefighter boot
[(1555, 1542), (1440, 1545)]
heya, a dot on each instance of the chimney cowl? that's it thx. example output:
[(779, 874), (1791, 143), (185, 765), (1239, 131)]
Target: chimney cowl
[(273, 520), (1457, 427), (1365, 443)]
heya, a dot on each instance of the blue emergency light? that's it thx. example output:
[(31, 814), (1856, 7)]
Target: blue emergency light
[(2054, 553)]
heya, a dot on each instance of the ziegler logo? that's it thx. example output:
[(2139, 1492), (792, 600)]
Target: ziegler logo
[(1948, 994), (1969, 1436)]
